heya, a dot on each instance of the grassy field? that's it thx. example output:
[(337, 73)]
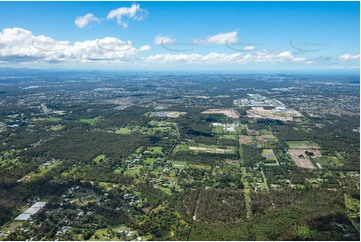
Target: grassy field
[(217, 130), (269, 155), (166, 190), (139, 149), (330, 161), (133, 171), (265, 132), (102, 234), (353, 206), (123, 131), (230, 136), (41, 171), (99, 158), (154, 150), (151, 131), (90, 121), (181, 147), (302, 145), (179, 164), (149, 161), (57, 127)]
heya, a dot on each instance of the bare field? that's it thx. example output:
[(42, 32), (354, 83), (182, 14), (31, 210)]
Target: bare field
[(265, 138), (245, 139), (175, 114), (261, 113), (301, 159), (228, 112), (211, 150)]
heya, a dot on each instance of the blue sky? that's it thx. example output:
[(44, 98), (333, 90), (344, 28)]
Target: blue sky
[(240, 36)]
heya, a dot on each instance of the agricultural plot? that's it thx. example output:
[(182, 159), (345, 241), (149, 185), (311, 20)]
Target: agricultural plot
[(231, 113), (229, 136), (302, 145), (205, 148), (245, 140), (267, 141), (301, 159), (328, 161), (302, 152), (217, 130), (213, 149), (271, 159)]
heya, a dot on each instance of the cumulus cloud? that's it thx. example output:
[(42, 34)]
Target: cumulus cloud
[(235, 58), (160, 39), (20, 45), (145, 48), (134, 13), (83, 21), (219, 39), (249, 48), (349, 57)]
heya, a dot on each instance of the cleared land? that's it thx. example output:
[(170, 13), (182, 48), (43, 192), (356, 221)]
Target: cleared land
[(211, 150), (267, 139), (175, 114), (301, 159), (228, 112), (245, 139), (261, 113)]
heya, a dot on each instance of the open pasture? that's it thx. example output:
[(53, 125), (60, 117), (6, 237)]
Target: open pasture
[(302, 145)]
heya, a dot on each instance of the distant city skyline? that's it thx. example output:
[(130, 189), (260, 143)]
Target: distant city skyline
[(185, 36)]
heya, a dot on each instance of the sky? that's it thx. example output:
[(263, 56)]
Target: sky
[(224, 36)]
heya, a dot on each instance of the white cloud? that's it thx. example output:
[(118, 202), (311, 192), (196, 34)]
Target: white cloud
[(160, 39), (83, 21), (235, 58), (219, 39), (249, 48), (20, 45), (349, 57), (134, 13), (145, 48)]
